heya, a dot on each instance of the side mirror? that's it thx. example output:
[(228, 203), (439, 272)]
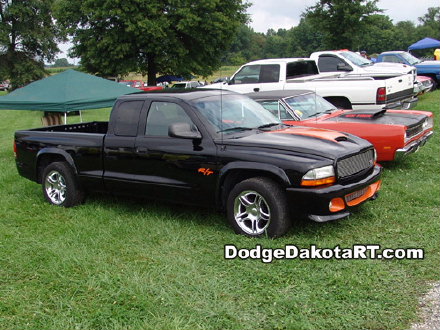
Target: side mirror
[(183, 131), (343, 67)]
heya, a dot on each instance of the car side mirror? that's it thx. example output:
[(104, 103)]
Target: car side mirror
[(343, 67), (184, 131)]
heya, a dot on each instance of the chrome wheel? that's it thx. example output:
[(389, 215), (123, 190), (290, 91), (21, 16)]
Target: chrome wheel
[(55, 186), (251, 212)]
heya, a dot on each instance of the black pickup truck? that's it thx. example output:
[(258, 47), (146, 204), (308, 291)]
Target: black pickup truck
[(206, 148)]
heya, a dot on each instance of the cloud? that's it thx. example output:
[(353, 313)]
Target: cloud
[(277, 14)]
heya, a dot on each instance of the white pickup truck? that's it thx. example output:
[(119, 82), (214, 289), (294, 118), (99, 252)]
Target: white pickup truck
[(347, 61), (344, 91)]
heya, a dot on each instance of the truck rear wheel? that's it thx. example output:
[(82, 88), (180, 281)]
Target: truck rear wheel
[(60, 186), (257, 207)]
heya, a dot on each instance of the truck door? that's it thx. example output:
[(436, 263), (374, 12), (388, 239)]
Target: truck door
[(119, 145), (172, 168), (255, 78)]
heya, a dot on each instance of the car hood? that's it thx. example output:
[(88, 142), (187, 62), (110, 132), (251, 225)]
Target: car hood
[(434, 64), (381, 116), (314, 141)]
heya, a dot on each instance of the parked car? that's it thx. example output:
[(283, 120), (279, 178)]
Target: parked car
[(186, 84), (132, 83), (341, 89), (393, 133), (180, 147), (425, 68), (4, 86), (423, 85), (345, 60)]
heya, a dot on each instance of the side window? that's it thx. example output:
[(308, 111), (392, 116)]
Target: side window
[(250, 74), (301, 69), (277, 109), (126, 118), (329, 63), (392, 59), (269, 73), (161, 115)]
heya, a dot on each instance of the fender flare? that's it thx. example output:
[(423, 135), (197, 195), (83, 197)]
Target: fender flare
[(56, 151), (252, 166)]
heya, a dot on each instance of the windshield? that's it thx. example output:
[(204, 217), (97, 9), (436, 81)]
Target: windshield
[(356, 59), (309, 105), (410, 59), (234, 113)]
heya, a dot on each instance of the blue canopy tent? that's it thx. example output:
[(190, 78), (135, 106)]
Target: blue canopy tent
[(425, 43)]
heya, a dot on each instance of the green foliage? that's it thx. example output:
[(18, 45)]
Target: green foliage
[(334, 25), (61, 63), (115, 37), (341, 22), (28, 36)]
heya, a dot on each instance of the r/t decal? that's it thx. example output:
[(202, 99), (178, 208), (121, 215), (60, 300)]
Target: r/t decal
[(205, 171)]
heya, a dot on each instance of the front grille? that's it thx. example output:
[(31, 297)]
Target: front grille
[(356, 194), (355, 164), (413, 131)]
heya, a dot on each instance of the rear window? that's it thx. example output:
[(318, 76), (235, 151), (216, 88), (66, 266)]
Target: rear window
[(300, 69), (126, 118)]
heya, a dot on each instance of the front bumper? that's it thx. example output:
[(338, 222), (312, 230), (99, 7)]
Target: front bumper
[(314, 203), (413, 146)]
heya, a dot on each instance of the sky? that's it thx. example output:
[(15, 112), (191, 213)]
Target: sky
[(277, 14)]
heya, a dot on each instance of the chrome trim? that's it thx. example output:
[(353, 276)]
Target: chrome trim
[(415, 145)]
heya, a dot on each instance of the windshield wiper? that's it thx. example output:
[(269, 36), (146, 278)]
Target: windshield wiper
[(268, 125), (238, 128)]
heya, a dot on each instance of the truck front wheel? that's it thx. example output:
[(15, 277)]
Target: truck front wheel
[(257, 207), (60, 186)]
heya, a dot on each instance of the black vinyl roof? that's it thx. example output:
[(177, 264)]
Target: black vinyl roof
[(279, 94)]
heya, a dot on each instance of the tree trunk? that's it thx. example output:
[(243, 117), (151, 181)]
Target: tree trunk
[(152, 70)]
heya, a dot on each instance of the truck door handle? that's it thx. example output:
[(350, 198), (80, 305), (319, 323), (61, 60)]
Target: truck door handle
[(141, 150), (256, 89)]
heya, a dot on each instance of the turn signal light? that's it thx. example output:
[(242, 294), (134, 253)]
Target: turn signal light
[(318, 182)]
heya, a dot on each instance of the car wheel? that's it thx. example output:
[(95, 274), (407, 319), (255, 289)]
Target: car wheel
[(60, 186), (257, 207)]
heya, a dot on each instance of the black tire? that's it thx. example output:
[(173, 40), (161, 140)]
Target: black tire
[(266, 213), (60, 185)]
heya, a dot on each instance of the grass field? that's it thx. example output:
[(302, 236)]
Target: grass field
[(115, 263)]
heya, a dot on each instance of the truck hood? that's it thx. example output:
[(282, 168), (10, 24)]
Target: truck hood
[(314, 141), (381, 116)]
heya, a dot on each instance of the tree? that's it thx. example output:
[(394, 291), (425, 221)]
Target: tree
[(61, 63), (430, 23), (28, 37), (341, 22), (114, 37)]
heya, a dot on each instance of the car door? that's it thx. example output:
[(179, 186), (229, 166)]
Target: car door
[(170, 168)]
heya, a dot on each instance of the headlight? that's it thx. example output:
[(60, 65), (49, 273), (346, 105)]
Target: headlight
[(319, 176)]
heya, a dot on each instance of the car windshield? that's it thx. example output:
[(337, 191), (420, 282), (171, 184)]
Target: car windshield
[(410, 59), (234, 113), (309, 105), (356, 59)]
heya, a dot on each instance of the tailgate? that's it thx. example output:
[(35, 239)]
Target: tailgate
[(399, 88)]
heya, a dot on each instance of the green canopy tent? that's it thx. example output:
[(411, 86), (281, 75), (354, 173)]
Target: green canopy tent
[(66, 92)]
